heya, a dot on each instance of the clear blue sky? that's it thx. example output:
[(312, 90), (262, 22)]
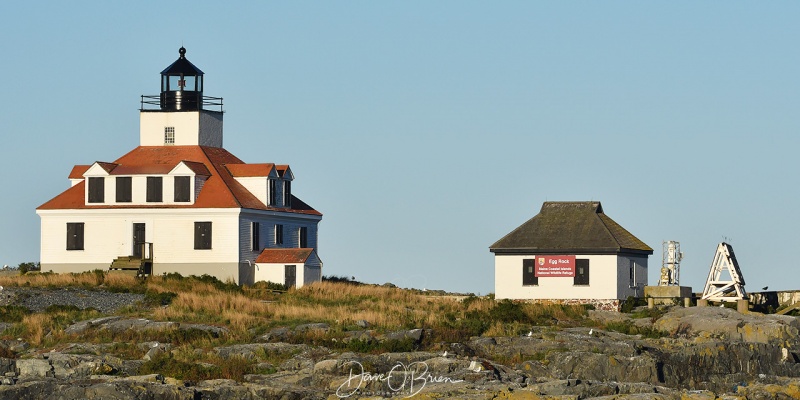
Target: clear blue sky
[(426, 130)]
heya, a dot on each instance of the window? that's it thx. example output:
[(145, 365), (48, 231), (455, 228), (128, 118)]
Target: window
[(124, 189), (74, 235), (287, 193), (273, 194), (581, 272), (182, 189), (278, 234), (202, 235), (529, 277), (255, 233), (154, 189), (96, 190), (302, 241), (169, 135), (632, 276)]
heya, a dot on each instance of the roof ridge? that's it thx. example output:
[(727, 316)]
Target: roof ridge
[(224, 181), (608, 230)]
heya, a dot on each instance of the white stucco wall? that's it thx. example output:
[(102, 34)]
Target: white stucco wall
[(603, 277)]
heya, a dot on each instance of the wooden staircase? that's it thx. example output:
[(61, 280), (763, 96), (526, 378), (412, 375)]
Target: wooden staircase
[(133, 265)]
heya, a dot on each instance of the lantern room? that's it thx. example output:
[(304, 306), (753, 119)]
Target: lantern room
[(181, 85)]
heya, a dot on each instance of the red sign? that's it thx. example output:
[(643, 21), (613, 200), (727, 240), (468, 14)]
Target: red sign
[(551, 266)]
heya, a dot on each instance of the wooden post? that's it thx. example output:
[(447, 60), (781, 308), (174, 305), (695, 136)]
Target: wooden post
[(651, 303), (687, 301), (702, 303)]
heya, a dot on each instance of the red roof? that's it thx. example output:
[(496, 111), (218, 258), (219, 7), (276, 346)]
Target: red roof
[(250, 170), (78, 171), (220, 190), (283, 256), (197, 167)]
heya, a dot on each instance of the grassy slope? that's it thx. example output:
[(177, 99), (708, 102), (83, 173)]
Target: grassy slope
[(250, 312)]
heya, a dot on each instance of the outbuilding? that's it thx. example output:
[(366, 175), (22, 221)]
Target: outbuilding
[(572, 253)]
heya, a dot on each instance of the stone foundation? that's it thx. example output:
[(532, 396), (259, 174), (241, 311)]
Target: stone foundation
[(599, 304)]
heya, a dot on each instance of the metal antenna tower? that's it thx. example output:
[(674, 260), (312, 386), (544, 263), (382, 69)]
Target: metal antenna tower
[(671, 257)]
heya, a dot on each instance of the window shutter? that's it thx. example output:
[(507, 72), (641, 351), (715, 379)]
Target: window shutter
[(581, 272), (303, 240), (278, 234), (124, 191), (74, 235), (272, 192), (182, 189), (202, 235), (529, 277), (287, 193), (154, 189), (96, 190), (255, 228)]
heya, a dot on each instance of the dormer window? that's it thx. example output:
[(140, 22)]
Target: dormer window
[(154, 189), (287, 193), (183, 189), (124, 189), (96, 190), (273, 192), (169, 135)]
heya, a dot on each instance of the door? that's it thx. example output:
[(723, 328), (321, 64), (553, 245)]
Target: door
[(138, 240), (290, 276)]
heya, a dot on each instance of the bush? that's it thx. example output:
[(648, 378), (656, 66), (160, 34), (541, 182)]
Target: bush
[(508, 311), (630, 303), (264, 285), (26, 267), (154, 299), (341, 279), (166, 365)]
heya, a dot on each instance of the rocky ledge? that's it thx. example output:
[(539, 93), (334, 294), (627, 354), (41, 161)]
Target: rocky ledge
[(699, 353)]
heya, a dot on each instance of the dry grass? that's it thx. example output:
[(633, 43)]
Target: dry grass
[(341, 305)]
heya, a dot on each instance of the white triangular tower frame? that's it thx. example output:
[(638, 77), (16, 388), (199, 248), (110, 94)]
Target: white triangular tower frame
[(719, 290)]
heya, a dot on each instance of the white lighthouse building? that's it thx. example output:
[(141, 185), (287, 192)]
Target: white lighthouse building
[(180, 202)]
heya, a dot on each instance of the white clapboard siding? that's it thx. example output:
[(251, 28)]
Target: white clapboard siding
[(108, 234), (268, 219)]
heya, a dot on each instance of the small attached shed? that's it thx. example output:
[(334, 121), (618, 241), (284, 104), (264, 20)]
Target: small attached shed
[(290, 267), (571, 252)]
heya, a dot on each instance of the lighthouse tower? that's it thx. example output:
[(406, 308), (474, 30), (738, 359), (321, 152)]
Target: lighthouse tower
[(178, 116)]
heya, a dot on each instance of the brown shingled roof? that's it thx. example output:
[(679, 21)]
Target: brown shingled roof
[(220, 190), (570, 228)]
